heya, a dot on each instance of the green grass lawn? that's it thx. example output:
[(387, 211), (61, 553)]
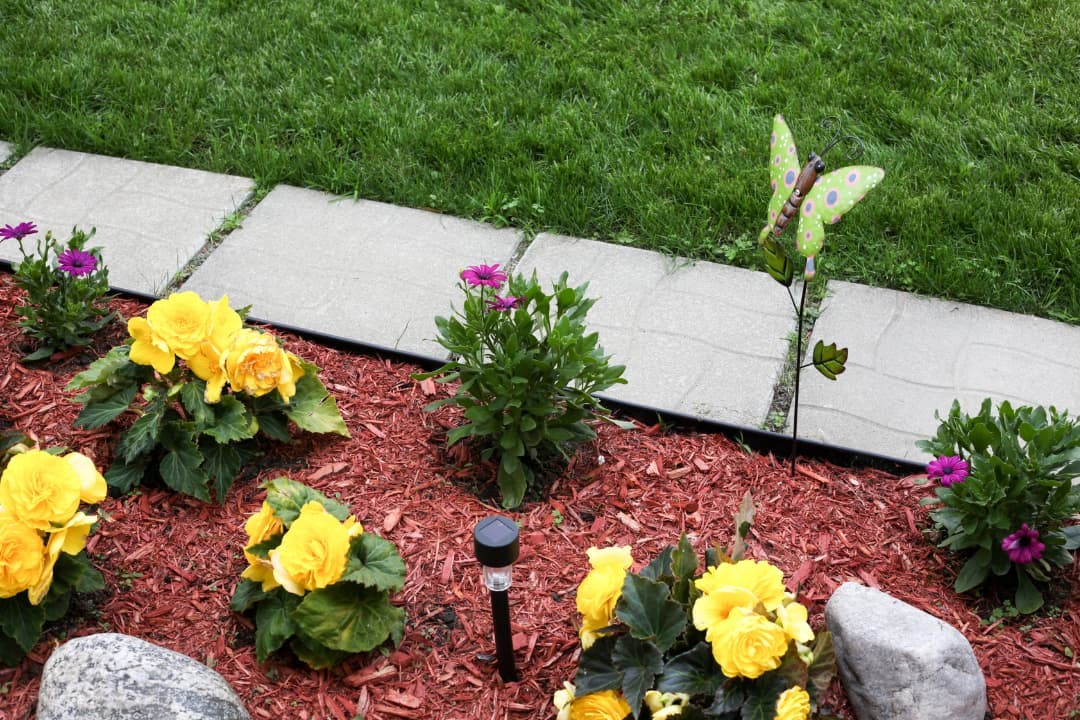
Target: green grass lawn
[(643, 123)]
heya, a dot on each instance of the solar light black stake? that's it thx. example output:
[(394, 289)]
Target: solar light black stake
[(495, 542)]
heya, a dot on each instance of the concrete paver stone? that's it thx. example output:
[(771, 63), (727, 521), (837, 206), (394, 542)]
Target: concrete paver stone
[(5, 153), (362, 270), (910, 356), (150, 219), (702, 339)]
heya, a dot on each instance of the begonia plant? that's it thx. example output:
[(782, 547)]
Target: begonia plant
[(527, 370), (201, 386), (66, 287), (316, 580), (729, 642), (1007, 494), (43, 532)]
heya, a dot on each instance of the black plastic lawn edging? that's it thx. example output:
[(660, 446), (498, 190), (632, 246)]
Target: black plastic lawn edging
[(763, 441)]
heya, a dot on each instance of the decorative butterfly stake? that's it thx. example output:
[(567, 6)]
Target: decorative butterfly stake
[(816, 199)]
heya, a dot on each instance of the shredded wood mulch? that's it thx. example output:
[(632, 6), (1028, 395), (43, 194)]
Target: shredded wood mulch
[(171, 562)]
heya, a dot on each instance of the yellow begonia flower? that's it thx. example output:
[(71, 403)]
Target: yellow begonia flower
[(208, 363), (182, 320), (747, 644), (562, 700), (40, 490), (792, 617), (256, 364), (262, 572), (759, 577), (313, 551), (21, 556), (793, 704), (600, 590), (665, 705), (93, 487), (70, 539), (603, 705), (714, 607), (149, 348), (260, 527)]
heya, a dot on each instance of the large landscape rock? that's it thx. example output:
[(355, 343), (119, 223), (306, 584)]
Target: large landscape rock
[(117, 677), (899, 663)]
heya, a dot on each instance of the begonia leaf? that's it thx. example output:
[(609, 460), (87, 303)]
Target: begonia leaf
[(231, 421), (221, 463), (142, 436), (21, 621), (348, 617), (10, 652), (761, 697), (99, 412), (247, 593), (375, 562), (287, 496), (273, 622), (648, 610), (123, 476), (192, 396), (640, 662), (102, 370), (313, 408), (694, 672), (314, 654), (595, 670)]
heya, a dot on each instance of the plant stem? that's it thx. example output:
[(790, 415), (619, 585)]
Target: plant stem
[(798, 372)]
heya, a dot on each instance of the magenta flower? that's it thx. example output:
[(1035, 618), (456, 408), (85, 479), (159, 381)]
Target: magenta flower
[(949, 469), (18, 232), (500, 304), (1023, 546), (489, 275), (77, 262)]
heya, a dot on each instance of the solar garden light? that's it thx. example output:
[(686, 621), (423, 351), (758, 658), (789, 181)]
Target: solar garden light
[(495, 542)]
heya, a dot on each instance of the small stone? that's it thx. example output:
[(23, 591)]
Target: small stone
[(897, 662), (116, 677)]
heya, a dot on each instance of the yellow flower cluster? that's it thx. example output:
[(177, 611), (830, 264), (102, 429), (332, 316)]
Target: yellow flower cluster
[(749, 619), (603, 705), (211, 339), (600, 590), (40, 517), (312, 552)]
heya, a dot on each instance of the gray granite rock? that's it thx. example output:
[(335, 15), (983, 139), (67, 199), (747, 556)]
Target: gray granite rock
[(897, 662), (117, 677)]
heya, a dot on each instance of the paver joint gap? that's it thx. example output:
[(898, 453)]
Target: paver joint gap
[(232, 221)]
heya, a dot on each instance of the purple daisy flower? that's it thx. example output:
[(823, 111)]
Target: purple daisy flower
[(1023, 546), (949, 469), (500, 304), (18, 232), (488, 275), (77, 262)]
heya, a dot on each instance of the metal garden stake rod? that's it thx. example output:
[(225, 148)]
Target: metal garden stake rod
[(495, 542)]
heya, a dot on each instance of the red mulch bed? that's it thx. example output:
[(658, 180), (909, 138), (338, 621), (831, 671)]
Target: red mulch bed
[(171, 562)]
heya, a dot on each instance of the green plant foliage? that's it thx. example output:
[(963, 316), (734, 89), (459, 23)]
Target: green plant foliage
[(1023, 462), (651, 654), (61, 309), (322, 625), (527, 375), (179, 437)]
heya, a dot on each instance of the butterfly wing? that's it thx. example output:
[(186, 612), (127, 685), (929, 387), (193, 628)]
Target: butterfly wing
[(832, 195), (783, 167)]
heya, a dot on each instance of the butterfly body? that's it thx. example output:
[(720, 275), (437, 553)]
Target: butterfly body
[(815, 197)]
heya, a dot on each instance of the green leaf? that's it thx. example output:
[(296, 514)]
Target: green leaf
[(694, 672), (777, 263), (375, 562), (728, 699), (221, 463), (647, 609), (761, 697), (595, 669), (101, 370), (660, 566), (640, 662), (828, 360), (180, 467), (247, 593), (231, 421), (97, 413), (1028, 598), (10, 652), (142, 436), (274, 425), (315, 655), (822, 667), (21, 621), (974, 571), (348, 617), (40, 354), (312, 407), (123, 476), (286, 497), (1072, 536), (684, 561), (511, 480), (273, 622), (192, 397)]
